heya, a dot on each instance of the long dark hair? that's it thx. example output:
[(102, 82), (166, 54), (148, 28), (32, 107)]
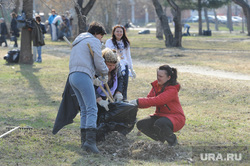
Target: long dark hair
[(172, 72), (124, 37)]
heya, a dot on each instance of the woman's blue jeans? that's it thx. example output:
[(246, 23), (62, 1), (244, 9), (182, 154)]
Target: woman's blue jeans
[(37, 49), (83, 87)]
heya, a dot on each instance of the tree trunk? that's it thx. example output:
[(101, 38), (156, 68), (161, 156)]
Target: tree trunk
[(170, 41), (200, 17), (164, 22), (82, 13), (229, 17), (110, 13), (216, 21), (17, 5), (246, 10), (176, 12), (26, 56), (159, 31), (206, 17)]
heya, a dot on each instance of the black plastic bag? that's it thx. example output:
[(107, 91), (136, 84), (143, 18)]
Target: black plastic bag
[(12, 56), (121, 117)]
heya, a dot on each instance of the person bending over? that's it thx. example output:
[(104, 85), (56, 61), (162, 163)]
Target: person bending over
[(83, 67)]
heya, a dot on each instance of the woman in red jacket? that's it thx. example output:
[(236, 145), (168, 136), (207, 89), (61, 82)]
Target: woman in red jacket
[(169, 116)]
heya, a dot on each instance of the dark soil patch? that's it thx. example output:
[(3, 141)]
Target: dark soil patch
[(119, 146)]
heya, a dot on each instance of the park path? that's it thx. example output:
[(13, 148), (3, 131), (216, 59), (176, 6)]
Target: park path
[(207, 71), (203, 70)]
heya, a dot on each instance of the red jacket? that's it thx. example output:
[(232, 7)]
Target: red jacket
[(167, 104)]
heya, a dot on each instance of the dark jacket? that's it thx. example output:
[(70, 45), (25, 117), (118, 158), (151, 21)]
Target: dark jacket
[(68, 109), (43, 28), (13, 28), (3, 29), (37, 35)]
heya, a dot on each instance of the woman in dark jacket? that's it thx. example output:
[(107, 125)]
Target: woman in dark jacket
[(38, 39), (169, 116), (13, 28), (3, 32)]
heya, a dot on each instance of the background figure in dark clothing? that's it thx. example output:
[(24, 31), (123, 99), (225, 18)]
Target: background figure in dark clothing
[(3, 32), (13, 28), (64, 28), (38, 39), (70, 18), (186, 26)]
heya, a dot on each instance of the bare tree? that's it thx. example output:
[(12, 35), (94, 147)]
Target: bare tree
[(200, 17), (170, 40), (246, 10), (82, 13), (17, 5), (216, 20), (229, 17), (159, 31), (25, 52)]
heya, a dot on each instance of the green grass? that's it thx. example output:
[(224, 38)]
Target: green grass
[(216, 109)]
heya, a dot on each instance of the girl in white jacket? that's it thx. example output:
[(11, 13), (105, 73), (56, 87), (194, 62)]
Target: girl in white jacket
[(121, 44)]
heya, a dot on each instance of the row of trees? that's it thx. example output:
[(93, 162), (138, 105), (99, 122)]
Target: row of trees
[(179, 5), (83, 8)]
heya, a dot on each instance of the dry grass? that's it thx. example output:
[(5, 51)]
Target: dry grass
[(217, 110)]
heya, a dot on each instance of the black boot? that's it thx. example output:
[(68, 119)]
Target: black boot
[(172, 140), (166, 135), (90, 143), (83, 137)]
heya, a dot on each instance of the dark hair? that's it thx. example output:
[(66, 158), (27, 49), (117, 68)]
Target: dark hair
[(13, 14), (38, 18), (124, 37), (172, 72), (96, 28)]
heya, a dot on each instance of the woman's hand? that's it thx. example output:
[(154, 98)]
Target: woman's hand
[(118, 96)]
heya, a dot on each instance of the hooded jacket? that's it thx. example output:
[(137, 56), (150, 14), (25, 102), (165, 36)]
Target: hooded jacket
[(167, 104), (81, 59)]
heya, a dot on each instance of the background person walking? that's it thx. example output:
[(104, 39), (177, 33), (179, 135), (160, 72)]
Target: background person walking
[(3, 32), (13, 28)]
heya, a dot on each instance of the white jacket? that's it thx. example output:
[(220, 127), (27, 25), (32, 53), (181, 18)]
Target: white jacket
[(125, 58)]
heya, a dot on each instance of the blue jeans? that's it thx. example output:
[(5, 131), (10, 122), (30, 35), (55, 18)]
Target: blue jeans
[(83, 87), (37, 49)]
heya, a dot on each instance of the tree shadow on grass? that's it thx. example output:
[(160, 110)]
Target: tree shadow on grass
[(34, 83)]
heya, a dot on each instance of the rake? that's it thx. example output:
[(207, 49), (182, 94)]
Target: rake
[(15, 128)]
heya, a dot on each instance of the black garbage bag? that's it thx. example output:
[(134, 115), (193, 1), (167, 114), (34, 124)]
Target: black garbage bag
[(121, 117), (12, 56)]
